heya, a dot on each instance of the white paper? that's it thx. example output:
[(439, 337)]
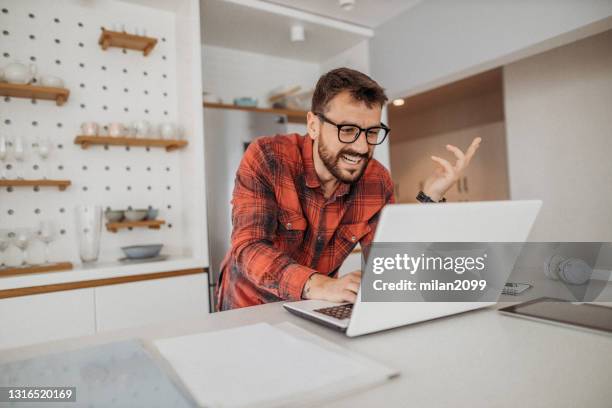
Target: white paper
[(262, 365)]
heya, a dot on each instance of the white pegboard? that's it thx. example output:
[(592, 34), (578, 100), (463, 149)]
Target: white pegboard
[(61, 38)]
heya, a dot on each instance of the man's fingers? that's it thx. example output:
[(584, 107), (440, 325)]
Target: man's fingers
[(348, 296), (445, 164), (472, 149), (352, 286), (458, 154)]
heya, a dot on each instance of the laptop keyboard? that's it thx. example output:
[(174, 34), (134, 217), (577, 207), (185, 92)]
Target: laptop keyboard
[(340, 312)]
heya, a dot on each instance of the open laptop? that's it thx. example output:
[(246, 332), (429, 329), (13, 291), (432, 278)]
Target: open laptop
[(492, 221)]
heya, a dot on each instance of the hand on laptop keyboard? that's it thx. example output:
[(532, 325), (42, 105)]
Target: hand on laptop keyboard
[(344, 289)]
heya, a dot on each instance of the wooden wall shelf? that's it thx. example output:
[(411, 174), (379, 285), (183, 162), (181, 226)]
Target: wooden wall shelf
[(169, 145), (152, 224), (125, 40), (24, 270), (61, 184), (293, 116), (59, 95)]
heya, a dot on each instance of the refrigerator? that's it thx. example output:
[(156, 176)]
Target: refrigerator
[(227, 134)]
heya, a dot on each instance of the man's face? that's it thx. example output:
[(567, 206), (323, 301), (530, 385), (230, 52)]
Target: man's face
[(345, 161)]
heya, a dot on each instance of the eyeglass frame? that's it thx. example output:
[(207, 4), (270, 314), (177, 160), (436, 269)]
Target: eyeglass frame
[(361, 130)]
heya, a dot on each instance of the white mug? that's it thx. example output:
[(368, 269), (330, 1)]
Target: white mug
[(89, 128)]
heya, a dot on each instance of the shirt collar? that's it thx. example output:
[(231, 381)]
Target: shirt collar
[(312, 180)]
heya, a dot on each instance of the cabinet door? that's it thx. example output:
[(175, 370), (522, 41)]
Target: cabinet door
[(33, 319), (153, 301)]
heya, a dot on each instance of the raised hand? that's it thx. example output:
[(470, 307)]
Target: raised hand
[(447, 174)]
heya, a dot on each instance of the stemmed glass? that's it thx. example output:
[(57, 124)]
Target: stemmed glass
[(43, 148), (19, 154), (46, 233), (21, 239), (3, 147), (4, 244)]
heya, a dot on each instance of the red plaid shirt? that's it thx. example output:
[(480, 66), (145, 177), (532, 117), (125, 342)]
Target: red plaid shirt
[(284, 229)]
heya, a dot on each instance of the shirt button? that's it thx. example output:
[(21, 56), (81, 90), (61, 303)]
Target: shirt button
[(319, 238), (288, 225), (353, 238)]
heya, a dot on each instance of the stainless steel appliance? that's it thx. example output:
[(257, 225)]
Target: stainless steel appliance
[(228, 132)]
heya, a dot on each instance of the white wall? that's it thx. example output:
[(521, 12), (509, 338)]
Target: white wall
[(440, 41), (230, 73), (106, 86), (356, 57), (559, 133)]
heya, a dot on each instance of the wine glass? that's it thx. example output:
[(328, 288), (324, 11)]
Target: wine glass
[(46, 233), (43, 148), (4, 244), (3, 147), (21, 239), (18, 148)]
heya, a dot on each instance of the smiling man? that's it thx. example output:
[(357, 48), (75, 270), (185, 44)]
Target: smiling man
[(302, 203)]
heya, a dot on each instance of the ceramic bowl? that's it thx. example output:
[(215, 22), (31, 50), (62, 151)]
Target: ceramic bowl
[(52, 81), (152, 213), (135, 215), (245, 101), (142, 251), (114, 215), (211, 98)]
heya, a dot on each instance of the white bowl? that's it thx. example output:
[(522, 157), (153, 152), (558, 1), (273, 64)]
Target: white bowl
[(135, 215), (52, 81)]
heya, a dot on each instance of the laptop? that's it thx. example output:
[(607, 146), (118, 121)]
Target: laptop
[(491, 221)]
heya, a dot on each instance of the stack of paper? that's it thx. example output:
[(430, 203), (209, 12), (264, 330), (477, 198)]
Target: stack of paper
[(263, 365)]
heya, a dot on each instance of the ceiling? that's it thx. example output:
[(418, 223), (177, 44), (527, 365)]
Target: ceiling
[(368, 13), (232, 25)]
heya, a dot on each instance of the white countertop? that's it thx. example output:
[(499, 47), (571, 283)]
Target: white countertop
[(476, 359), (100, 270)]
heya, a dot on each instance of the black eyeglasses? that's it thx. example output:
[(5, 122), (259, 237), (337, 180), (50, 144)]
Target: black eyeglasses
[(349, 133)]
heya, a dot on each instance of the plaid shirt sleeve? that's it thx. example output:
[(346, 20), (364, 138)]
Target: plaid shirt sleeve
[(366, 241), (254, 217)]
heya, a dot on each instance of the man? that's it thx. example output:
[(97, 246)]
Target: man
[(302, 203)]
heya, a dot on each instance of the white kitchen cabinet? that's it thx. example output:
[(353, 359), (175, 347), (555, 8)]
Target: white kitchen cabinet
[(33, 319), (152, 301)]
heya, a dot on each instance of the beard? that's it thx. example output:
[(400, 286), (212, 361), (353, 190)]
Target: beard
[(332, 163)]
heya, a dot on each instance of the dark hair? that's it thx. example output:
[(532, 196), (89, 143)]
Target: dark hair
[(361, 87)]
